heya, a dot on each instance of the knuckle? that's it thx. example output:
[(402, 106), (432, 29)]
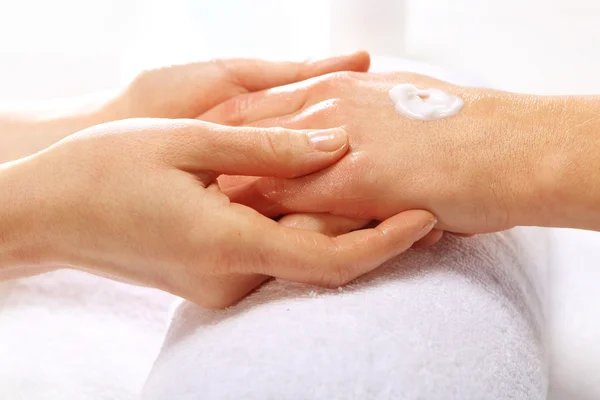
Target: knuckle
[(276, 143), (333, 82), (332, 111), (236, 109), (144, 78), (334, 273), (333, 105), (335, 276), (344, 77)]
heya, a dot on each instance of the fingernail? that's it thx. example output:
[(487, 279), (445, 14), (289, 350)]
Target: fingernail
[(328, 140), (426, 229)]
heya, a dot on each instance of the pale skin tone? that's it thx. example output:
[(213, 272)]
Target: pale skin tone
[(505, 160), (138, 200)]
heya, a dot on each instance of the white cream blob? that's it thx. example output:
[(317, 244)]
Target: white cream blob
[(424, 104)]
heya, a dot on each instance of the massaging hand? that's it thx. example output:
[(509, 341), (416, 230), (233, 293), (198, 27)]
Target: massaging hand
[(186, 91), (451, 167), (180, 91), (138, 200)]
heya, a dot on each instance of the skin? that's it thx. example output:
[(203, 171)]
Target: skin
[(186, 91), (113, 216), (505, 160), (138, 199)]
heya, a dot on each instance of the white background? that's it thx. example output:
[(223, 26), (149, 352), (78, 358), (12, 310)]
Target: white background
[(65, 47)]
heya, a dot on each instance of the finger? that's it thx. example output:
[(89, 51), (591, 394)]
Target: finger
[(285, 101), (199, 146), (231, 182), (256, 75), (327, 224), (429, 240), (313, 258), (275, 196), (225, 290), (250, 107), (323, 115), (465, 235)]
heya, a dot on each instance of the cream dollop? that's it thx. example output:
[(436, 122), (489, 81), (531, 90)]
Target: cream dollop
[(424, 104)]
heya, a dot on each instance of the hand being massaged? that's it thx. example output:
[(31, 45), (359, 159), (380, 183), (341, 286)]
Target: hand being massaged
[(137, 199), (485, 169)]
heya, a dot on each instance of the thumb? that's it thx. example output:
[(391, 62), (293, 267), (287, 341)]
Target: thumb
[(275, 152)]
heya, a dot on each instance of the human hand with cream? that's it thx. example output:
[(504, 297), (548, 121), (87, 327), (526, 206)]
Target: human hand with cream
[(137, 200), (503, 160)]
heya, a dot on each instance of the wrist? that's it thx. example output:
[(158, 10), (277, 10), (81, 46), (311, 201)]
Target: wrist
[(20, 242), (571, 186), (561, 141), (521, 156), (532, 126)]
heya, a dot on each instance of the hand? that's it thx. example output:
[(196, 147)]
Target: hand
[(474, 171), (186, 91), (237, 186), (137, 200), (180, 91)]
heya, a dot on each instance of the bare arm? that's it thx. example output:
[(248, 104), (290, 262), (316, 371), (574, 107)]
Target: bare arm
[(24, 131)]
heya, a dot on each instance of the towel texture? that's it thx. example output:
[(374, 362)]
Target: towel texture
[(574, 324), (68, 335), (463, 320)]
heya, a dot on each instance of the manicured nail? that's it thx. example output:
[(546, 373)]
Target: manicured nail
[(328, 140), (426, 229)]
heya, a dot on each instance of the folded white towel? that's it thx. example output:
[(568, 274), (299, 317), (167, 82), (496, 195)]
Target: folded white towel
[(68, 335), (463, 320)]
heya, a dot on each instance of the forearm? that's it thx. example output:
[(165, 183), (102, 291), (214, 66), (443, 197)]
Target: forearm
[(28, 128)]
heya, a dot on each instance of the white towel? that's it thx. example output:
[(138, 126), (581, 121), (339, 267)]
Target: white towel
[(574, 325), (463, 320), (71, 336)]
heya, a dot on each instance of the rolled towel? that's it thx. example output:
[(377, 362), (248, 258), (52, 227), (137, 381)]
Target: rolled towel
[(462, 320)]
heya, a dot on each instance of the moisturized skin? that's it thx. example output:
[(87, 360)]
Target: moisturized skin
[(504, 160), (424, 104)]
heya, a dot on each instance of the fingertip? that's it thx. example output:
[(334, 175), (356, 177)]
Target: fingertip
[(429, 240), (363, 60), (412, 225), (358, 61)]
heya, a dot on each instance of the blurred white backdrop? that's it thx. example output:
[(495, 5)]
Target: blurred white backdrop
[(65, 47), (540, 46)]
